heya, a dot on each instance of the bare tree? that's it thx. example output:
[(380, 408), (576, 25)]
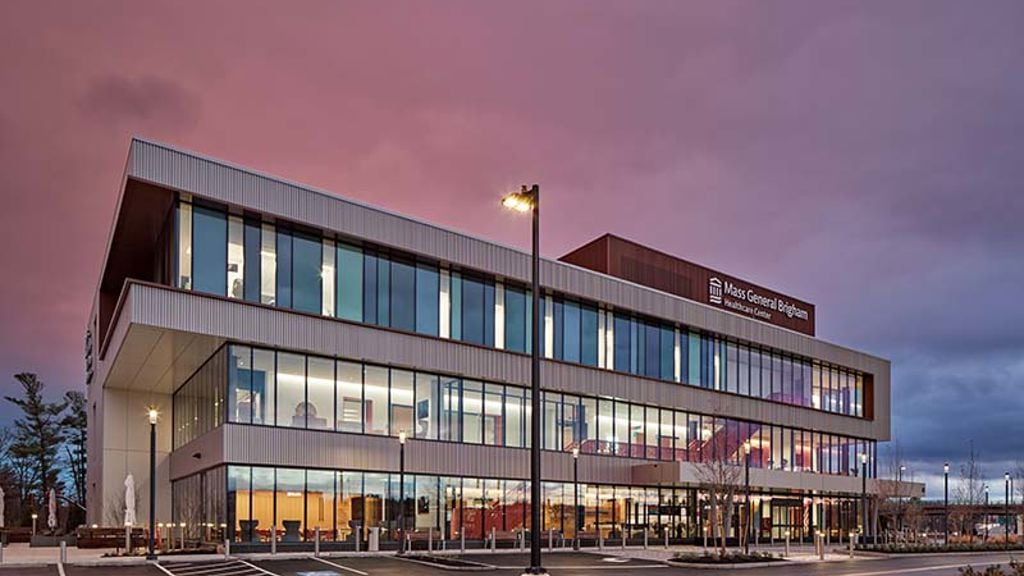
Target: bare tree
[(891, 501), (720, 475), (969, 494), (113, 513), (722, 480)]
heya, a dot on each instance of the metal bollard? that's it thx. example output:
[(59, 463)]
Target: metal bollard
[(430, 540), (462, 540), (494, 546), (63, 552), (622, 544), (551, 539), (316, 544), (666, 537), (787, 543), (127, 540), (600, 540), (645, 539), (273, 539), (358, 536), (821, 547), (852, 538), (227, 549)]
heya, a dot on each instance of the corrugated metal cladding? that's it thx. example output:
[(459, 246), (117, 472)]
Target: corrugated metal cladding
[(173, 309), (225, 183), (259, 446)]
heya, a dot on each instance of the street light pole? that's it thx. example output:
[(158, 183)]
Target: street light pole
[(528, 200), (1006, 511), (576, 498), (153, 415), (986, 513), (746, 505), (864, 499), (899, 505), (401, 492), (945, 508)]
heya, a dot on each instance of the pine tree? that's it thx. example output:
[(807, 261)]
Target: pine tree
[(74, 423), (38, 435)]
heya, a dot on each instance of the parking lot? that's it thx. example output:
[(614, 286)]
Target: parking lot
[(569, 563)]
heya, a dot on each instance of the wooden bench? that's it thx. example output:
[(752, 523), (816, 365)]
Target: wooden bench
[(110, 537), (16, 535)]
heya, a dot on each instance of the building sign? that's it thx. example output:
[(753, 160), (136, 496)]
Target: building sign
[(637, 263), (750, 301)]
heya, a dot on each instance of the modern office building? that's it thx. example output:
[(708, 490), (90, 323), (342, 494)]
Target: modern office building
[(289, 336)]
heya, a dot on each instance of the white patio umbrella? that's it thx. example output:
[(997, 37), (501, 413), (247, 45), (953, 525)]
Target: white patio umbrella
[(129, 500), (51, 521)]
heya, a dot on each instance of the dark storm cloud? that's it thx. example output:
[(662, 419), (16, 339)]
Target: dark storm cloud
[(140, 100)]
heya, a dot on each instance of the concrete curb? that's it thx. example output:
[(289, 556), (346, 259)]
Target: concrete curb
[(729, 566), (477, 566)]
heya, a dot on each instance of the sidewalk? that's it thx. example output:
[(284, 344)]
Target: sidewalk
[(660, 553), (22, 554)]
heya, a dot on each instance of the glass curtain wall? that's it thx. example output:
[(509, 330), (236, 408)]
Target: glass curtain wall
[(240, 257), (298, 391)]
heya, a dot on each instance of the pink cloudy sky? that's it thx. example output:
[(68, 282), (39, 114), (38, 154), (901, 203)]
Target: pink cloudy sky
[(865, 156)]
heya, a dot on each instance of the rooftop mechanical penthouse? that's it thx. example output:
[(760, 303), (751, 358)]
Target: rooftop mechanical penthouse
[(288, 336)]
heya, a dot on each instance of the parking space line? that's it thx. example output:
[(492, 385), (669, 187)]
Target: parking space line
[(353, 570), (251, 565), (597, 567), (209, 570), (162, 569)]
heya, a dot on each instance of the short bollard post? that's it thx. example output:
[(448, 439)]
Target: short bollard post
[(316, 543), (357, 535), (705, 537), (494, 544), (622, 544), (63, 552), (852, 538), (462, 541), (227, 549), (645, 539), (787, 543), (551, 539), (821, 547), (666, 537), (600, 540), (430, 540), (128, 540), (273, 540), (408, 542)]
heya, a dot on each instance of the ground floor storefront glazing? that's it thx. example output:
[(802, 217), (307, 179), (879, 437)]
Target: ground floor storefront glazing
[(252, 503)]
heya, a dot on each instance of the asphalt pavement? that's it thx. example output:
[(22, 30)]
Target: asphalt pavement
[(561, 564)]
